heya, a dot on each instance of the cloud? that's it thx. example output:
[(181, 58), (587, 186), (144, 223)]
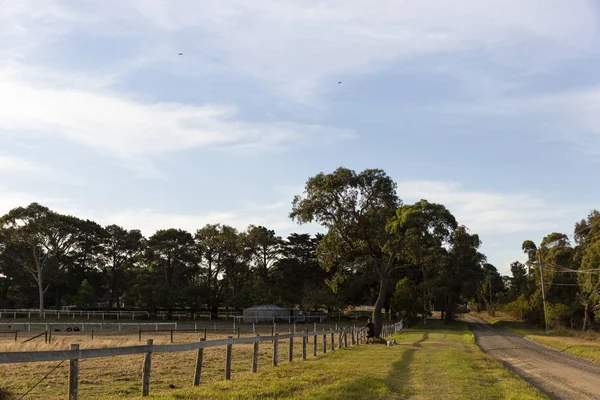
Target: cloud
[(273, 216), (10, 199), (297, 47), (489, 213), (128, 128), (29, 170), (571, 117)]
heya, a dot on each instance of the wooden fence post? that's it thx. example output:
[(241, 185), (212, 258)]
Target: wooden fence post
[(291, 355), (345, 339), (324, 342), (340, 340), (353, 342), (146, 371), (275, 349), (304, 340), (199, 358), (46, 337), (171, 335), (140, 335), (332, 342), (255, 354), (228, 361), (16, 333), (204, 333), (74, 374), (315, 337)]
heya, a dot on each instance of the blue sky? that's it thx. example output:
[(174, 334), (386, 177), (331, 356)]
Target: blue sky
[(490, 107)]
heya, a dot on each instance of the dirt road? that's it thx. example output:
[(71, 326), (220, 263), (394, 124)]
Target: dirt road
[(560, 375)]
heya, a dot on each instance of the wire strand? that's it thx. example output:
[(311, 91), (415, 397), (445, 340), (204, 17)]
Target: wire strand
[(40, 381)]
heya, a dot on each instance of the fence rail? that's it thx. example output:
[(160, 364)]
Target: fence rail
[(102, 325), (358, 336)]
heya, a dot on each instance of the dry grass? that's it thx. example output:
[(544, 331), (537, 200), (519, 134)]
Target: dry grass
[(120, 377)]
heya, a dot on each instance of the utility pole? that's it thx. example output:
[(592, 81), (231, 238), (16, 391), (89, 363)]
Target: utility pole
[(490, 283), (491, 307), (543, 291)]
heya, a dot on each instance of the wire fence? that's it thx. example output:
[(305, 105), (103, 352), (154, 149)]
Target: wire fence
[(298, 345)]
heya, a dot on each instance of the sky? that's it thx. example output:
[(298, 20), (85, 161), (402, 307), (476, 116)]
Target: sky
[(490, 107)]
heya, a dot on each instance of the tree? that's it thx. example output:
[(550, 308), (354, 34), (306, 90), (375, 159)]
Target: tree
[(490, 286), (462, 271), (518, 281), (587, 253), (172, 256), (86, 295), (122, 249), (355, 209), (48, 236), (420, 232), (266, 248), (297, 269), (218, 245)]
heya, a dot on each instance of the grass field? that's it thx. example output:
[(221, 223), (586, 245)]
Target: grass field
[(120, 377), (583, 344), (436, 362)]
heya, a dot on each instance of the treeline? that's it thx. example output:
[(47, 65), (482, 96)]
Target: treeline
[(376, 250), (49, 259), (568, 270)]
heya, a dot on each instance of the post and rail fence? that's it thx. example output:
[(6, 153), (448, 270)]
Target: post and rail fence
[(358, 336)]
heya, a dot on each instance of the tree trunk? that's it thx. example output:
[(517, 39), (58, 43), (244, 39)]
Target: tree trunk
[(449, 309), (586, 316), (379, 306), (41, 291)]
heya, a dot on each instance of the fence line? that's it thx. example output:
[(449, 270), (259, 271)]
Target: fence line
[(119, 325), (72, 313), (7, 313), (75, 353)]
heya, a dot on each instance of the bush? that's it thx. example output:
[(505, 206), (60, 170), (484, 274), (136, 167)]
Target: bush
[(519, 308), (557, 314)]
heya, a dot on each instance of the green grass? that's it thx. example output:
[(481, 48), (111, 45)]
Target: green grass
[(574, 342), (433, 362)]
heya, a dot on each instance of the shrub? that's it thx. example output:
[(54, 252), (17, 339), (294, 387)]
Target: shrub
[(519, 308)]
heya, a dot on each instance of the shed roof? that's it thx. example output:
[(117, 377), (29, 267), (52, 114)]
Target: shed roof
[(266, 307)]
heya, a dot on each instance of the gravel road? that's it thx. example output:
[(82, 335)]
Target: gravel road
[(560, 375)]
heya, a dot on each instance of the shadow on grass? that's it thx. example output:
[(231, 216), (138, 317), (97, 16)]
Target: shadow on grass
[(424, 338), (372, 388)]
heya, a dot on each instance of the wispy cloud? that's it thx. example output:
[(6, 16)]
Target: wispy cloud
[(297, 47), (125, 127), (30, 170), (493, 213)]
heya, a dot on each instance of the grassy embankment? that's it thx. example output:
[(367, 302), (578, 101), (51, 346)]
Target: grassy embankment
[(435, 362), (582, 344)]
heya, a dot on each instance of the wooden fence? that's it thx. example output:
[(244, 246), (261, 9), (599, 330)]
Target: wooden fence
[(357, 336)]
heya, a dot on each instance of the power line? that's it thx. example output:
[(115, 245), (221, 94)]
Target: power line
[(577, 271), (590, 226), (563, 284)]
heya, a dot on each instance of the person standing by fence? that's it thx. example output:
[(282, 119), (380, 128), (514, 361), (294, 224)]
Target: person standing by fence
[(370, 331)]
